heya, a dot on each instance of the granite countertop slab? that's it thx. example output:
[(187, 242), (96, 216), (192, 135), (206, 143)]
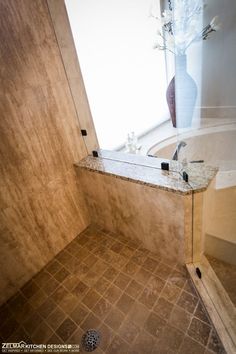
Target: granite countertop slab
[(147, 171)]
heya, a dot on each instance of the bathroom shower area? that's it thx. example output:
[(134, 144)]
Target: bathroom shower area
[(211, 140), (201, 134), (118, 237)]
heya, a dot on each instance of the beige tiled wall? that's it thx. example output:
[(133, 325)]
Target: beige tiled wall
[(41, 205), (162, 220)]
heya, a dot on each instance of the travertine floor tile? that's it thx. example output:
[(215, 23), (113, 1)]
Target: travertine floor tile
[(138, 302)]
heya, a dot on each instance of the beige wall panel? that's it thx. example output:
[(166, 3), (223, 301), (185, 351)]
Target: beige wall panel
[(154, 216), (41, 204)]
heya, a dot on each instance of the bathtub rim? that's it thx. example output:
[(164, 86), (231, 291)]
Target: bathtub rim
[(186, 134)]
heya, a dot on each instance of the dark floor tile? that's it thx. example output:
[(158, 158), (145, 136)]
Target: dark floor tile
[(63, 257), (131, 268), (148, 297), (91, 298), (127, 252), (134, 289), (59, 294), (177, 278), (91, 278), (208, 351), (61, 275), (71, 282), (150, 264), (214, 343), (91, 321), (171, 339), (114, 318), (66, 329), (171, 292), (163, 271), (122, 281), (100, 267), (76, 338), (79, 314), (42, 278), (154, 325), (92, 246), (118, 346), (163, 308), (187, 301), (80, 290), (143, 344), (162, 348), (56, 318), (117, 247), (191, 346), (46, 308), (180, 318), (50, 286), (9, 327), (42, 334), (138, 314), (107, 335), (29, 289), (139, 257), (72, 265), (109, 257), (31, 324), (142, 276), (199, 331), (68, 303), (37, 299), (102, 308), (23, 312), (80, 270), (53, 267), (16, 302), (54, 339), (111, 273), (5, 313), (128, 331), (91, 260), (102, 285), (82, 239), (100, 250), (72, 247), (189, 287), (125, 303), (201, 313), (19, 335), (134, 244), (112, 294), (154, 288)]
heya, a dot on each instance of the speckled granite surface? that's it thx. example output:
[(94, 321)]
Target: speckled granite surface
[(147, 171)]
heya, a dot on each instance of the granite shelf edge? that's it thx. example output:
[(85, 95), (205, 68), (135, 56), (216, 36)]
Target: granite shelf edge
[(133, 180), (170, 182)]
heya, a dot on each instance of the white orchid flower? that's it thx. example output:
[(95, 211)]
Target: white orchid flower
[(215, 23), (166, 17), (181, 26)]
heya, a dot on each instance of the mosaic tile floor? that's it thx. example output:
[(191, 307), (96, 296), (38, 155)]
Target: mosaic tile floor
[(138, 302)]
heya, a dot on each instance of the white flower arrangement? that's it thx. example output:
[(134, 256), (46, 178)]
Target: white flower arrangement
[(179, 26)]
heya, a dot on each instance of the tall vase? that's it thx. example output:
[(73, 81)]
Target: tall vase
[(181, 95)]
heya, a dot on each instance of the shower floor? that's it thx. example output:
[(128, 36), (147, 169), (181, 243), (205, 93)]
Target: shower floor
[(226, 273), (138, 302)]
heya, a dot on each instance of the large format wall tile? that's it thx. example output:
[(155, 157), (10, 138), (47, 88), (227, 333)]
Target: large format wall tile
[(160, 219), (41, 204)]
